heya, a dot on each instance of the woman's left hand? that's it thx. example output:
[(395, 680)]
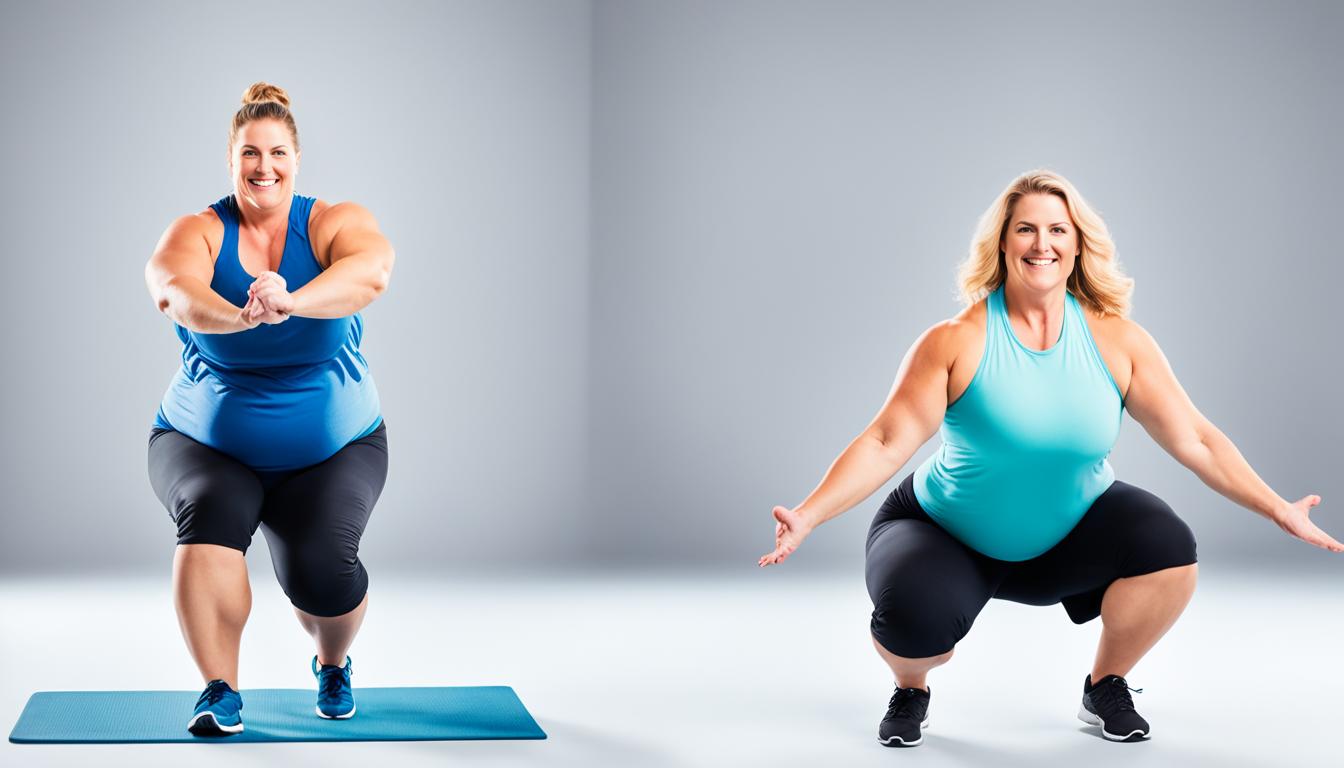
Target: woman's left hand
[(1294, 519), (273, 301)]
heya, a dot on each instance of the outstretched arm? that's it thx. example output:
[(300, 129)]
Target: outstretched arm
[(911, 415), (1158, 402), (178, 276)]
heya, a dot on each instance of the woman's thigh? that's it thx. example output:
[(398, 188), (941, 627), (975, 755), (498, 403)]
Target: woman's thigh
[(314, 519), (927, 588), (213, 498), (1126, 532)]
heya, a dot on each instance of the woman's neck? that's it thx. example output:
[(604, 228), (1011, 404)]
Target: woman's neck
[(1038, 311), (270, 223), (1040, 315)]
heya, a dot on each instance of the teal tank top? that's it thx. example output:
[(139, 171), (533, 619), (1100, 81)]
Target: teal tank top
[(275, 397), (1024, 448)]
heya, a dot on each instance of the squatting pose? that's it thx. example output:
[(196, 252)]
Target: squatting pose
[(1028, 384)]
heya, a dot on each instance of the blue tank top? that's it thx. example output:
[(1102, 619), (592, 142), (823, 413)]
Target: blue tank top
[(1024, 448), (275, 397)]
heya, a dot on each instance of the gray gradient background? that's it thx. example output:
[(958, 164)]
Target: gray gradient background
[(658, 262)]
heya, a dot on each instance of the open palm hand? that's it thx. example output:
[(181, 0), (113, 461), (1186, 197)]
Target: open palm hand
[(790, 530), (1296, 521)]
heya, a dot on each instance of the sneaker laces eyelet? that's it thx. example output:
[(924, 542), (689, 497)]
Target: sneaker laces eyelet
[(1115, 696), (332, 682), (212, 694), (902, 702)]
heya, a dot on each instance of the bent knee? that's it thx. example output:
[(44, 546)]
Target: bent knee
[(936, 659), (1160, 541), (1181, 574), (324, 588), (917, 634)]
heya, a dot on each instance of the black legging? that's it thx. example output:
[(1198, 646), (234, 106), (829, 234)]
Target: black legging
[(313, 517), (927, 587)]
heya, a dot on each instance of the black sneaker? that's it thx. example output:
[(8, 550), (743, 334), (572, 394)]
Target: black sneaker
[(907, 717), (1109, 705)]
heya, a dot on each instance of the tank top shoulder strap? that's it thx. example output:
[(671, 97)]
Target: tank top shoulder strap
[(995, 320), (1087, 344), (298, 247), (227, 258), (1081, 335), (227, 211), (1072, 314), (299, 210)]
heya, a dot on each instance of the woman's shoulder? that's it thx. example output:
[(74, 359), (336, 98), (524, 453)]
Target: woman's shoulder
[(324, 221), (325, 217), (956, 337), (1117, 331), (967, 327), (319, 207), (206, 224), (205, 218)]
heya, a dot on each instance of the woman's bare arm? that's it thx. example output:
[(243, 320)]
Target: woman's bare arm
[(1158, 402), (178, 276), (911, 415)]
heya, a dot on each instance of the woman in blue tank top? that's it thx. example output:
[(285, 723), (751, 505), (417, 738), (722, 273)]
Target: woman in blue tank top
[(273, 419), (1026, 387)]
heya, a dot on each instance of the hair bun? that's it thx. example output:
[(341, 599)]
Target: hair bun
[(259, 93)]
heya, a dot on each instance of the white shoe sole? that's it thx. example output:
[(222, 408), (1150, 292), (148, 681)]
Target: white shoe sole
[(1092, 719), (212, 724), (346, 716), (894, 740)]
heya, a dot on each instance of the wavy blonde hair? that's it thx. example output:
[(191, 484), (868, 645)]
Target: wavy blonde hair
[(1096, 281)]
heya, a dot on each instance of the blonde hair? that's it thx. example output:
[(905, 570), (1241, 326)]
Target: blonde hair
[(263, 101), (1097, 281)]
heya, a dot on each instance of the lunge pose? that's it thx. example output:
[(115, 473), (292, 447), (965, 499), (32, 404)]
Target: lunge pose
[(1028, 384), (273, 418)]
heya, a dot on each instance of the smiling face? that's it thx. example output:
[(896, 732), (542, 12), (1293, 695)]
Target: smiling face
[(263, 163), (1040, 243)]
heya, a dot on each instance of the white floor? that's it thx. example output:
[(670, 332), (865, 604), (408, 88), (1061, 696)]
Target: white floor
[(753, 668)]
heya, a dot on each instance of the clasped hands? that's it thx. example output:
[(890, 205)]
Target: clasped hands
[(267, 300)]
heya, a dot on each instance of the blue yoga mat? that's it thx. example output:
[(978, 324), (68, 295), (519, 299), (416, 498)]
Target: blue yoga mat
[(277, 714)]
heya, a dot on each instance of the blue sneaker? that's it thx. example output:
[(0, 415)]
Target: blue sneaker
[(218, 711), (335, 700)]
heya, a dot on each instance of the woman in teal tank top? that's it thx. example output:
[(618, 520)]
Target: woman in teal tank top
[(273, 419), (1026, 387)]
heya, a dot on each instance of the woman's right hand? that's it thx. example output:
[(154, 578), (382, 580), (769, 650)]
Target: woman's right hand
[(265, 289), (247, 316), (790, 530), (911, 416)]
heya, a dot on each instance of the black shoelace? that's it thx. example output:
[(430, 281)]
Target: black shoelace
[(213, 693), (1113, 696), (903, 703), (333, 680)]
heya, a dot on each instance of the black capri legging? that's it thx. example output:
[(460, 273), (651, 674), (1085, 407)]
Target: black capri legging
[(313, 517), (927, 587)]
